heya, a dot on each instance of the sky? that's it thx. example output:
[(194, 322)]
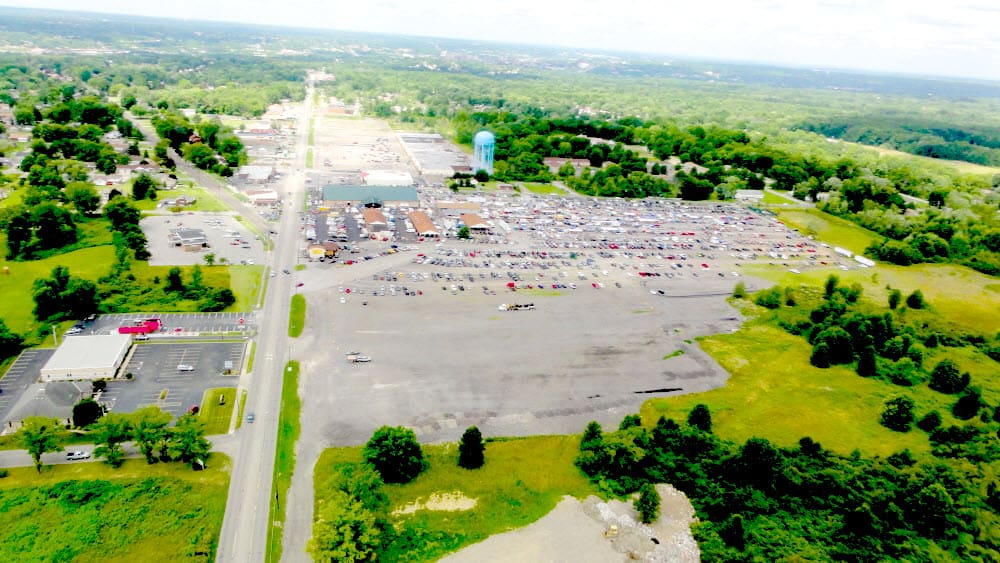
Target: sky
[(945, 38)]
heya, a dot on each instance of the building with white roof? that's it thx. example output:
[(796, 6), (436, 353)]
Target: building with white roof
[(87, 357)]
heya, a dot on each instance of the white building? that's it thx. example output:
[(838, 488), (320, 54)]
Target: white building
[(87, 357), (386, 178)]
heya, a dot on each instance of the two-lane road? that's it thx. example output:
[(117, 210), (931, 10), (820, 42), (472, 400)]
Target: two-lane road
[(244, 529)]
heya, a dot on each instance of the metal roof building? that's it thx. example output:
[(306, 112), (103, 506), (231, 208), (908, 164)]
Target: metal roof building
[(87, 357), (358, 194), (423, 224)]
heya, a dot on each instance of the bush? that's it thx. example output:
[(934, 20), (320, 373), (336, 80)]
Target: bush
[(968, 404), (740, 290), (898, 414), (770, 298), (946, 378), (915, 300), (648, 504), (86, 412), (395, 454), (930, 422)]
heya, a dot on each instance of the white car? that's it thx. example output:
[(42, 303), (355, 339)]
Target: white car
[(74, 330), (78, 455), (342, 300), (185, 367)]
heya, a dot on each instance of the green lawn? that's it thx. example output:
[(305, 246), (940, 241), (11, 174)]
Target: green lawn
[(217, 417), (284, 458), (779, 198), (297, 316), (91, 512), (523, 480)]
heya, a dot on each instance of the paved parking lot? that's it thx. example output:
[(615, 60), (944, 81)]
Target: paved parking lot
[(225, 235), (154, 367), (22, 373), (188, 323)]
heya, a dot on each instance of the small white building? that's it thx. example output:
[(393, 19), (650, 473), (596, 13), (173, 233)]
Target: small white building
[(386, 178), (87, 357)]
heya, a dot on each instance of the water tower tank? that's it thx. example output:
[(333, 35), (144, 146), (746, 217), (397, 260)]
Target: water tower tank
[(482, 151)]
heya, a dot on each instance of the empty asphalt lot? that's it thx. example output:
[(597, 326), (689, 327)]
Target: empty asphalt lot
[(444, 361)]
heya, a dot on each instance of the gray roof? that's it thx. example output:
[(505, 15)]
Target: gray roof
[(361, 193), (88, 352)]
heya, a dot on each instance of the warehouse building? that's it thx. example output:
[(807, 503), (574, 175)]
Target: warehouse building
[(87, 358), (423, 225)]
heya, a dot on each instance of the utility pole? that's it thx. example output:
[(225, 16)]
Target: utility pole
[(55, 339)]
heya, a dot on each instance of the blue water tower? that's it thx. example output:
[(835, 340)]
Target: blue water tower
[(482, 151)]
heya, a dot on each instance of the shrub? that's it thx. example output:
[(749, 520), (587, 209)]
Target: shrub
[(915, 300), (968, 404), (770, 298), (930, 422), (700, 418), (946, 378), (898, 414), (740, 290)]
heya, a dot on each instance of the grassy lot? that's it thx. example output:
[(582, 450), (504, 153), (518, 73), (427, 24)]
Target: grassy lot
[(245, 283), (779, 198), (253, 348), (828, 228), (543, 189), (523, 480), (297, 316), (957, 295), (204, 200), (217, 417), (284, 458), (91, 512), (775, 393), (15, 307)]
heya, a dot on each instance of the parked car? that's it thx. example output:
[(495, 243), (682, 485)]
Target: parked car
[(250, 418), (74, 330), (77, 455), (185, 367)]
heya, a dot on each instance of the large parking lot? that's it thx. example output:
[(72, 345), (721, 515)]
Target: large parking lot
[(158, 381), (445, 358), (230, 240)]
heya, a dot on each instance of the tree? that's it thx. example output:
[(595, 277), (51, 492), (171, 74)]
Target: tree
[(895, 297), (395, 454), (482, 176), (929, 422), (143, 187), (187, 442), (39, 435), (149, 430), (700, 418), (463, 232), (839, 345), (945, 378), (344, 531), (648, 504), (62, 296), (471, 448), (630, 421), (121, 213), (898, 414), (209, 259), (109, 433), (915, 300), (54, 226), (174, 281), (867, 366), (86, 413), (83, 196), (740, 290), (830, 286), (10, 342)]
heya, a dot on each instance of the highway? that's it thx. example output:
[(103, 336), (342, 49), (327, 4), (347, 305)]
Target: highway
[(244, 528)]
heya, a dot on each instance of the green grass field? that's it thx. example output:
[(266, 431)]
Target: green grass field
[(779, 198), (245, 283), (830, 229), (523, 479), (217, 417), (297, 316), (284, 459), (91, 512)]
